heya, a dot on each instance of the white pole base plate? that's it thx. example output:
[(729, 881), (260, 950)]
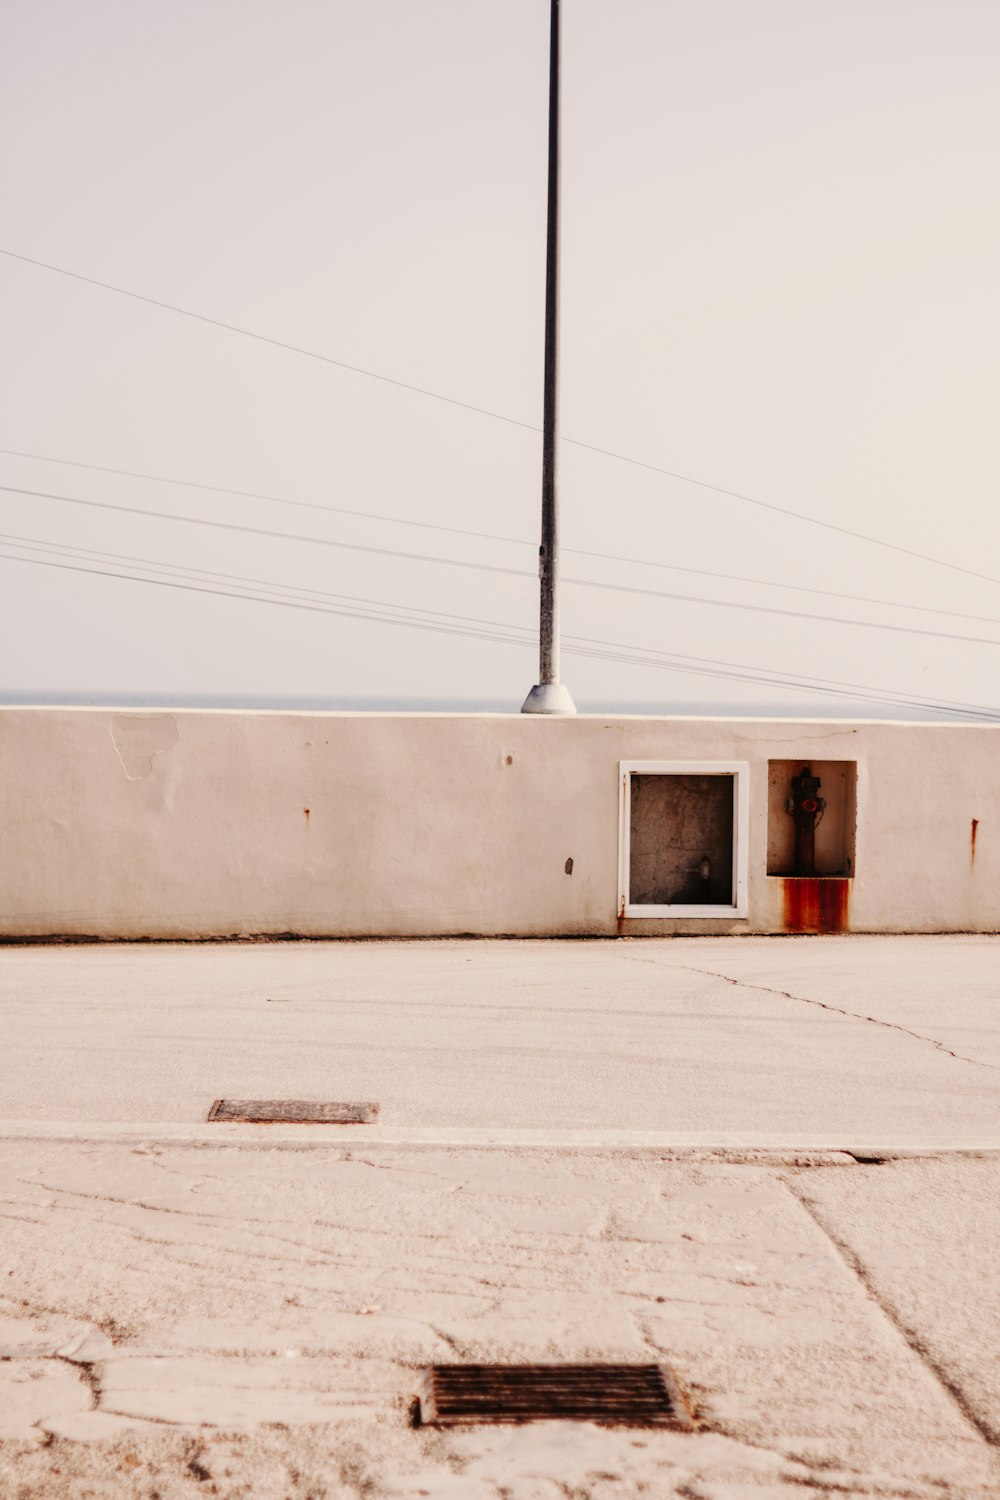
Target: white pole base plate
[(549, 698)]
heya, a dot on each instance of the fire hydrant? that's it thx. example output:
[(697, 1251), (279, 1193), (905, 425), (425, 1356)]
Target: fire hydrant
[(806, 808)]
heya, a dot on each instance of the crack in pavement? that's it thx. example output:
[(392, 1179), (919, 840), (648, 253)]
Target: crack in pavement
[(152, 1208), (850, 1015), (86, 1369), (984, 1428), (44, 1309), (221, 1222)]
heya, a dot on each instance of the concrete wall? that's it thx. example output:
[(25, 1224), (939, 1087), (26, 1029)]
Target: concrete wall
[(195, 824)]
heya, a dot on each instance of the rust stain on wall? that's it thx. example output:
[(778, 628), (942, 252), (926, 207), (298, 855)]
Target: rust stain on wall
[(816, 904), (972, 841)]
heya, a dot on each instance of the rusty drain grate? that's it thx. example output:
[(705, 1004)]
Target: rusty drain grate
[(292, 1112), (614, 1395)]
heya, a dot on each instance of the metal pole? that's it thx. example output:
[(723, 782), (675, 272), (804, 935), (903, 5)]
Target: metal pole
[(549, 696)]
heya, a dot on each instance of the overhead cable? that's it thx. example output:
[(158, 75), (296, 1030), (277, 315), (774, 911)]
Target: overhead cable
[(481, 567), (489, 536), (440, 622), (500, 417), (263, 338)]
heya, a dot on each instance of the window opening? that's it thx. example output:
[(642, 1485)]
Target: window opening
[(683, 839)]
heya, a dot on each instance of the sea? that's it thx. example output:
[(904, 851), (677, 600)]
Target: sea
[(804, 708)]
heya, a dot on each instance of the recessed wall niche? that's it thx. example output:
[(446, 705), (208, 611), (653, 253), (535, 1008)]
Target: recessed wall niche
[(835, 825)]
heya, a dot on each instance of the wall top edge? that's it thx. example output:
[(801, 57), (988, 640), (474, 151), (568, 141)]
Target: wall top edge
[(745, 721)]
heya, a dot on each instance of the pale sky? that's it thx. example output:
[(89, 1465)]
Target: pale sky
[(781, 235)]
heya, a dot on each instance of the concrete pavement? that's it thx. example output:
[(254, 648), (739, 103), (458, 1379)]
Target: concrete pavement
[(889, 1041), (243, 1310)]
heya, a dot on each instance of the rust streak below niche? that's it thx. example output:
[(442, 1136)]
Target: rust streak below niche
[(816, 903)]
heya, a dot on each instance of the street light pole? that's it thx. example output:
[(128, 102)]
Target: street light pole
[(549, 696)]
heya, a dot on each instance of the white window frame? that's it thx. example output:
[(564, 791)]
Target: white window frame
[(739, 770)]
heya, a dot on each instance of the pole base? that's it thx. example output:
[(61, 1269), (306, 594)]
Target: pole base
[(549, 698)]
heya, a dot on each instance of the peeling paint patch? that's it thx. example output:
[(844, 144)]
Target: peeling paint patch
[(139, 739)]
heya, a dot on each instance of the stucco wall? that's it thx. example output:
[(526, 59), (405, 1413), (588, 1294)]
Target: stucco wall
[(197, 824)]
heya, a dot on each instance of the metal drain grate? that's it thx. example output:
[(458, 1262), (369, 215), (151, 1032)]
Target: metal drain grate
[(292, 1112), (618, 1395)]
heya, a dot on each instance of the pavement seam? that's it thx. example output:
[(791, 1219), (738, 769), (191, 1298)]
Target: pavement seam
[(983, 1428), (851, 1015), (750, 1148)]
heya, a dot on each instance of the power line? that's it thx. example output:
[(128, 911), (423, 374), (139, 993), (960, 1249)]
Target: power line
[(439, 627), (766, 678), (263, 338), (500, 417), (172, 569), (220, 489), (781, 510), (502, 633), (790, 614), (488, 536), (583, 646), (452, 562), (284, 536)]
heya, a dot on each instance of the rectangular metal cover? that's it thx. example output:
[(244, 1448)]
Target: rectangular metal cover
[(618, 1395), (292, 1112)]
